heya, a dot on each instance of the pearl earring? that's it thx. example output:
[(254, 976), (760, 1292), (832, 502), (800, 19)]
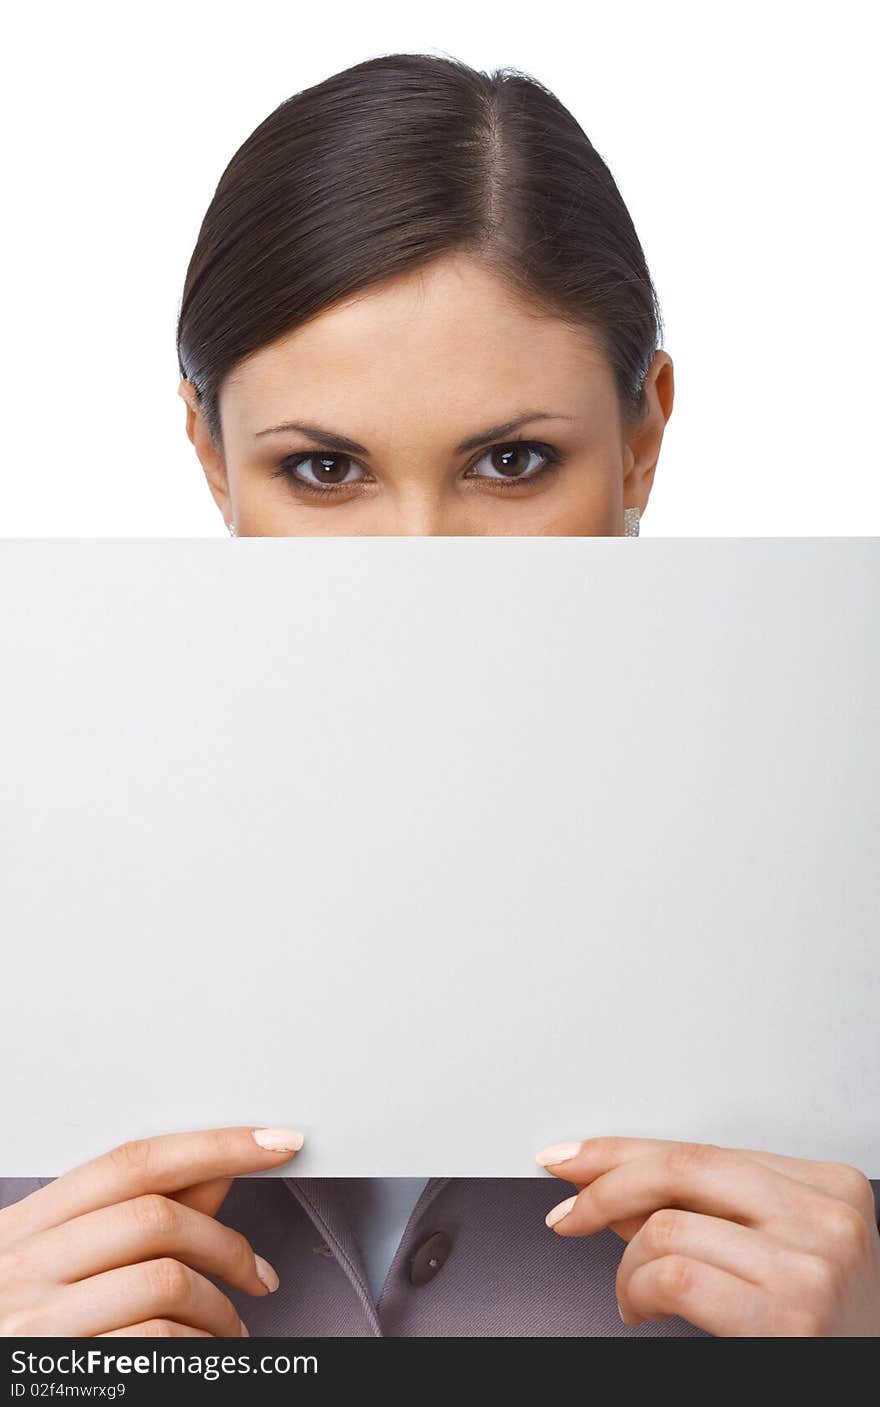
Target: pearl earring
[(233, 530), (631, 522)]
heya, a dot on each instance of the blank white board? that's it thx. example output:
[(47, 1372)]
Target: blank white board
[(440, 849)]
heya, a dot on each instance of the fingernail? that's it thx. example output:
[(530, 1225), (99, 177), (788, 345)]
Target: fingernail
[(244, 1329), (279, 1140), (559, 1211), (557, 1153), (266, 1273)]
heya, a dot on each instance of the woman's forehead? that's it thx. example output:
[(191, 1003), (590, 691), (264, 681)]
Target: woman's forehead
[(451, 337)]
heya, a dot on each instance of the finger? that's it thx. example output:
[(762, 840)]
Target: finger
[(168, 1163), (156, 1329), (205, 1196), (707, 1297), (592, 1157), (846, 1189), (837, 1180), (698, 1177), (143, 1229), (158, 1289), (742, 1251), (582, 1162)]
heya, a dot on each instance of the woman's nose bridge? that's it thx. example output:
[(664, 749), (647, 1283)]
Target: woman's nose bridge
[(448, 522), (422, 511), (422, 493)]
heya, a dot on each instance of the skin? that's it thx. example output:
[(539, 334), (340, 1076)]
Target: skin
[(123, 1244), (738, 1242), (409, 371), (742, 1243)]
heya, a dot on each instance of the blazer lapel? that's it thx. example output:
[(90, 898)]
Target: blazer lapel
[(324, 1199)]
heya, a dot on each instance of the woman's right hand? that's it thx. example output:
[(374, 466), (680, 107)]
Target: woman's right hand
[(122, 1245)]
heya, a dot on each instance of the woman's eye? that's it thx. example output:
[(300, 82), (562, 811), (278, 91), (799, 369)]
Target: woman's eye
[(326, 472), (330, 472), (511, 462)]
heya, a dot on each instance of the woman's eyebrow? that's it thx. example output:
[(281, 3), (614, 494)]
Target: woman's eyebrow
[(347, 446), (498, 432)]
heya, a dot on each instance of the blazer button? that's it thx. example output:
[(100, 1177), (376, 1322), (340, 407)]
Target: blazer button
[(430, 1256)]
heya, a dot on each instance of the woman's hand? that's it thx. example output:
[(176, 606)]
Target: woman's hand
[(740, 1243), (122, 1245)]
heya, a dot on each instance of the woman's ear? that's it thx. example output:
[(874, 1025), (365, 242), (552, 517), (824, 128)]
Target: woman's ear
[(644, 441), (209, 456)]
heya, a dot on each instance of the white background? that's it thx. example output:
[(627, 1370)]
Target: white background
[(743, 139)]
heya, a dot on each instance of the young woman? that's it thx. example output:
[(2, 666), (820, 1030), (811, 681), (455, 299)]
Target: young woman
[(417, 304)]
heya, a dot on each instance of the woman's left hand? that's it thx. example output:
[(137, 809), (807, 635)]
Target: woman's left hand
[(740, 1243)]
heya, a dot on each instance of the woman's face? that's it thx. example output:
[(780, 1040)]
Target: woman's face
[(433, 405)]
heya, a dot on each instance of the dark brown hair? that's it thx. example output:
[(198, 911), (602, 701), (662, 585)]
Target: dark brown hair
[(392, 163)]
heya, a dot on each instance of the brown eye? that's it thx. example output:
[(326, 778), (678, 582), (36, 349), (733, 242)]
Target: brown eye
[(325, 472), (511, 462), (330, 470)]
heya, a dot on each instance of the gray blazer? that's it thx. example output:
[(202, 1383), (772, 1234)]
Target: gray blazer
[(475, 1260)]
